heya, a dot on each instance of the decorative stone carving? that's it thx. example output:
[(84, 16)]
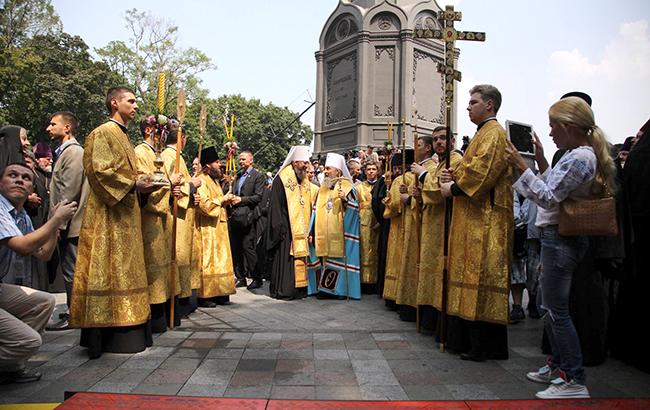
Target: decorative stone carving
[(343, 28), (342, 89), (426, 20), (390, 51), (430, 106)]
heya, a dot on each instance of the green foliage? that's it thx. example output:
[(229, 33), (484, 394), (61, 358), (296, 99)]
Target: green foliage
[(50, 73), (22, 19), (258, 128), (150, 49)]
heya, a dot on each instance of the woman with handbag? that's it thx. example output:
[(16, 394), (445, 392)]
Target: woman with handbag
[(586, 169)]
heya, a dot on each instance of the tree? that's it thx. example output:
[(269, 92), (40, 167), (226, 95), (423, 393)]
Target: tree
[(22, 19), (151, 49), (50, 73), (258, 128)]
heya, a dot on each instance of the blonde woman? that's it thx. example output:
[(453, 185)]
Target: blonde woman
[(585, 167)]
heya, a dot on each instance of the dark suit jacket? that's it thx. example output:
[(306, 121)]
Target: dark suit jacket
[(251, 195)]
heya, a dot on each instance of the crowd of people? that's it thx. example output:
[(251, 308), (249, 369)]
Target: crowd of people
[(449, 238)]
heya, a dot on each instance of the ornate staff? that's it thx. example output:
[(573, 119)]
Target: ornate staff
[(449, 35), (180, 113), (231, 149), (388, 145), (203, 118), (158, 175)]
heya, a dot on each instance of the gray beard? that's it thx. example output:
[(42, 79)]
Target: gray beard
[(329, 182)]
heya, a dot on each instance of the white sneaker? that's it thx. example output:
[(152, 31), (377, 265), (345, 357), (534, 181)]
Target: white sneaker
[(545, 375), (566, 390)]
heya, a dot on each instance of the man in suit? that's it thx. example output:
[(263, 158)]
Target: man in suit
[(68, 183), (248, 188)]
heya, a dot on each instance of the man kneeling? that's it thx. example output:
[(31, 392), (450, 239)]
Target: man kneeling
[(24, 312)]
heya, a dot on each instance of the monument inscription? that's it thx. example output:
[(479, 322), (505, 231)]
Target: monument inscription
[(342, 89)]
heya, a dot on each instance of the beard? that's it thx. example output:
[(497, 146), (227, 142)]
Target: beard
[(300, 174)]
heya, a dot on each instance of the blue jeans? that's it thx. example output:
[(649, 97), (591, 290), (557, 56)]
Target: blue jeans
[(560, 257)]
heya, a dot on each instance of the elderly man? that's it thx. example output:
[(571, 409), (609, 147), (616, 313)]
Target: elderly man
[(288, 226), (336, 234)]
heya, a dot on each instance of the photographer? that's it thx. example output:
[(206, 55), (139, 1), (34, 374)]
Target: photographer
[(24, 312)]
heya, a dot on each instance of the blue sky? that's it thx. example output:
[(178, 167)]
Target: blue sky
[(535, 51)]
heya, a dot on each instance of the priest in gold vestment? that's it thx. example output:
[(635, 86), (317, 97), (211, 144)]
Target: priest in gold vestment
[(184, 188), (287, 234), (369, 232), (110, 296), (394, 210), (213, 247), (156, 232), (480, 242), (336, 235), (429, 294)]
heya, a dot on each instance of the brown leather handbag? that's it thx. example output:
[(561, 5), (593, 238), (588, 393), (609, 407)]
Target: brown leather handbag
[(594, 216)]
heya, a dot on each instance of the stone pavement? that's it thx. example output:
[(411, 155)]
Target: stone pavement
[(258, 347)]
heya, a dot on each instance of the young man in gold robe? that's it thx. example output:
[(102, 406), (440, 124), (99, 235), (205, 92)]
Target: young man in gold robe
[(394, 210), (110, 295), (429, 294), (184, 188), (480, 242), (407, 284), (369, 232), (213, 246), (287, 235), (156, 232)]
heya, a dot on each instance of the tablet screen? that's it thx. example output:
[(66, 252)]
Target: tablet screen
[(520, 135)]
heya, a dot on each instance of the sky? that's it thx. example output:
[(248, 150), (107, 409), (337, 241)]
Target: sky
[(535, 51)]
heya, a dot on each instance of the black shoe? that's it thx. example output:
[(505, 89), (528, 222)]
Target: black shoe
[(241, 283), (207, 304), (255, 284), (472, 357), (60, 325), (533, 313), (517, 314), (20, 376)]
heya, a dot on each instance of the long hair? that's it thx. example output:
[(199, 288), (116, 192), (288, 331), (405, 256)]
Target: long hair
[(575, 111)]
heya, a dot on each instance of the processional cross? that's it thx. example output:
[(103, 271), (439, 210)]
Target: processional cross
[(449, 35)]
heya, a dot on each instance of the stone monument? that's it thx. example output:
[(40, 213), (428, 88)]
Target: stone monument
[(371, 71)]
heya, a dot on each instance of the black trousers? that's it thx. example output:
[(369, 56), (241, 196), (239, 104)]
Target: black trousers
[(242, 246)]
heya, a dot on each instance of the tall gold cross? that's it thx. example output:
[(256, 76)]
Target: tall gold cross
[(449, 35)]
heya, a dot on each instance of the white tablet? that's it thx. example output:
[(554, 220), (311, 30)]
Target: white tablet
[(521, 136)]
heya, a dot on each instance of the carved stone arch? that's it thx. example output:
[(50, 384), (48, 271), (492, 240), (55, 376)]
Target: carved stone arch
[(385, 21), (426, 19), (343, 27)]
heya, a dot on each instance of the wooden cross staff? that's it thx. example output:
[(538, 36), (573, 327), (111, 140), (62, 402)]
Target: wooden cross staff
[(449, 35)]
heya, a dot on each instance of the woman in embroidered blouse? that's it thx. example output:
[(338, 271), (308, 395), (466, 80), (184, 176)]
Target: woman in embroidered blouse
[(586, 164)]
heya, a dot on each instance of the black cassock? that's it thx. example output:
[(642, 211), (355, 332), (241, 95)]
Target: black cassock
[(378, 193), (278, 246)]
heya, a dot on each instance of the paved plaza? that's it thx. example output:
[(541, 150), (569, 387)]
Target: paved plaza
[(259, 347)]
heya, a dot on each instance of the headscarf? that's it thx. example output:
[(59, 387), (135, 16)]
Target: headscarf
[(11, 150)]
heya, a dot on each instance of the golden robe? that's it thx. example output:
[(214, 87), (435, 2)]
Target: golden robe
[(407, 279), (329, 236), (300, 198), (185, 228), (217, 272), (110, 286), (432, 260), (156, 231), (369, 236), (313, 188), (393, 210), (480, 242)]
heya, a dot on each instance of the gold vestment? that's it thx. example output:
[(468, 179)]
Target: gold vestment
[(330, 211), (156, 230), (393, 210), (432, 260), (299, 202), (213, 248), (368, 234), (185, 226), (482, 224), (407, 279), (110, 281)]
